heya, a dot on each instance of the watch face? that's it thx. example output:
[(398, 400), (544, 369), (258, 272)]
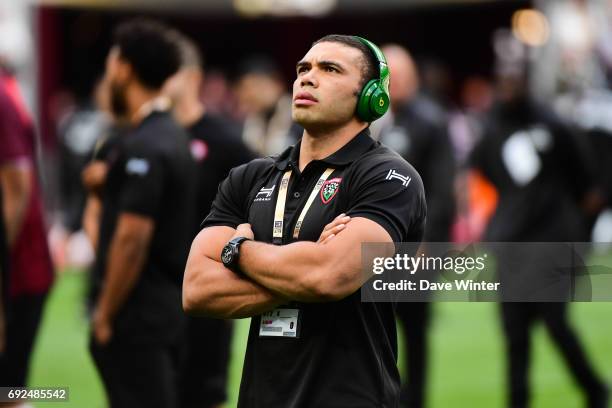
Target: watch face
[(227, 255)]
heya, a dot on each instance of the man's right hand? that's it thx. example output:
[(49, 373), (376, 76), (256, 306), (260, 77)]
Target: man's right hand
[(333, 228), (243, 230), (102, 328)]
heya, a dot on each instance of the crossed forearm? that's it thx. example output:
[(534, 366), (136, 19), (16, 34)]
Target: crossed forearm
[(297, 271), (212, 290), (271, 275)]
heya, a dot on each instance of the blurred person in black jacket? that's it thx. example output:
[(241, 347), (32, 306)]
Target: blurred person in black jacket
[(216, 147), (147, 197), (416, 129), (542, 175)]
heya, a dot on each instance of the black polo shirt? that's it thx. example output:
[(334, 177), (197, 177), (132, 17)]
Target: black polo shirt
[(151, 173), (216, 147), (346, 352), (541, 172)]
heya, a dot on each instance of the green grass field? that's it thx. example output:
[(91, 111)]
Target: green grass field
[(467, 363)]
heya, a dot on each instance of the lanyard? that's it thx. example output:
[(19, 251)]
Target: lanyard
[(279, 213)]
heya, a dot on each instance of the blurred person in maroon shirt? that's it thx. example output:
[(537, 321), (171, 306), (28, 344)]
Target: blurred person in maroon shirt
[(30, 271), (3, 277)]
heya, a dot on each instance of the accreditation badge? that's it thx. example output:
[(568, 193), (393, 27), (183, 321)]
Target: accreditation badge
[(280, 323)]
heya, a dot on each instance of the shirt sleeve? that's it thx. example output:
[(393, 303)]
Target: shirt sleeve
[(145, 177), (12, 138), (229, 207), (392, 195)]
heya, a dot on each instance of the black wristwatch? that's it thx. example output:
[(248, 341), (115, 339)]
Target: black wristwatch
[(231, 253)]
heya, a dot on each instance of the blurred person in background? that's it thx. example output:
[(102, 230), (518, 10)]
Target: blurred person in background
[(474, 196), (600, 137), (93, 175), (263, 98), (79, 131), (436, 82), (574, 68), (216, 147), (416, 129), (145, 227), (218, 95), (465, 123), (577, 55), (542, 176), (3, 277), (30, 270)]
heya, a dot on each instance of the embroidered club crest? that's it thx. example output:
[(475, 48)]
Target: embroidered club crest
[(329, 189)]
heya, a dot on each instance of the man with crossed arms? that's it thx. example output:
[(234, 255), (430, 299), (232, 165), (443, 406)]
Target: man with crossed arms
[(282, 243)]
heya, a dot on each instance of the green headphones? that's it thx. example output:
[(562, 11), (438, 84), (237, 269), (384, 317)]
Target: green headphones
[(374, 97)]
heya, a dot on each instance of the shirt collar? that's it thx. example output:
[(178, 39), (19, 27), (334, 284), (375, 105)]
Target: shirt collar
[(347, 154), (158, 104)]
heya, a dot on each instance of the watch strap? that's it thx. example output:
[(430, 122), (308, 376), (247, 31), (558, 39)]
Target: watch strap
[(238, 240), (235, 243)]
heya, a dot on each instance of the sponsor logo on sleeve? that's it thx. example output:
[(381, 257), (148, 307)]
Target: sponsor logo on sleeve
[(137, 167), (199, 150), (394, 175)]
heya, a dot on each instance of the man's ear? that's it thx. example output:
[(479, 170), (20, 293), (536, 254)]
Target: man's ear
[(197, 76), (124, 71)]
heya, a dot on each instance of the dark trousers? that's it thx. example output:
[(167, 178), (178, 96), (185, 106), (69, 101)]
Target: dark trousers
[(23, 317), (137, 375), (517, 321), (203, 376), (414, 318)]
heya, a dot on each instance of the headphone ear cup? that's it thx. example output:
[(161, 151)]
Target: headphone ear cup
[(364, 110), (374, 98), (379, 102)]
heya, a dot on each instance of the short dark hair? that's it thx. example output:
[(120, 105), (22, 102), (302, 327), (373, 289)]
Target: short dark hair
[(150, 48), (370, 69)]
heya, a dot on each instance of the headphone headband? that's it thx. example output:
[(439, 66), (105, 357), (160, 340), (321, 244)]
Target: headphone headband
[(383, 68), (374, 98)]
